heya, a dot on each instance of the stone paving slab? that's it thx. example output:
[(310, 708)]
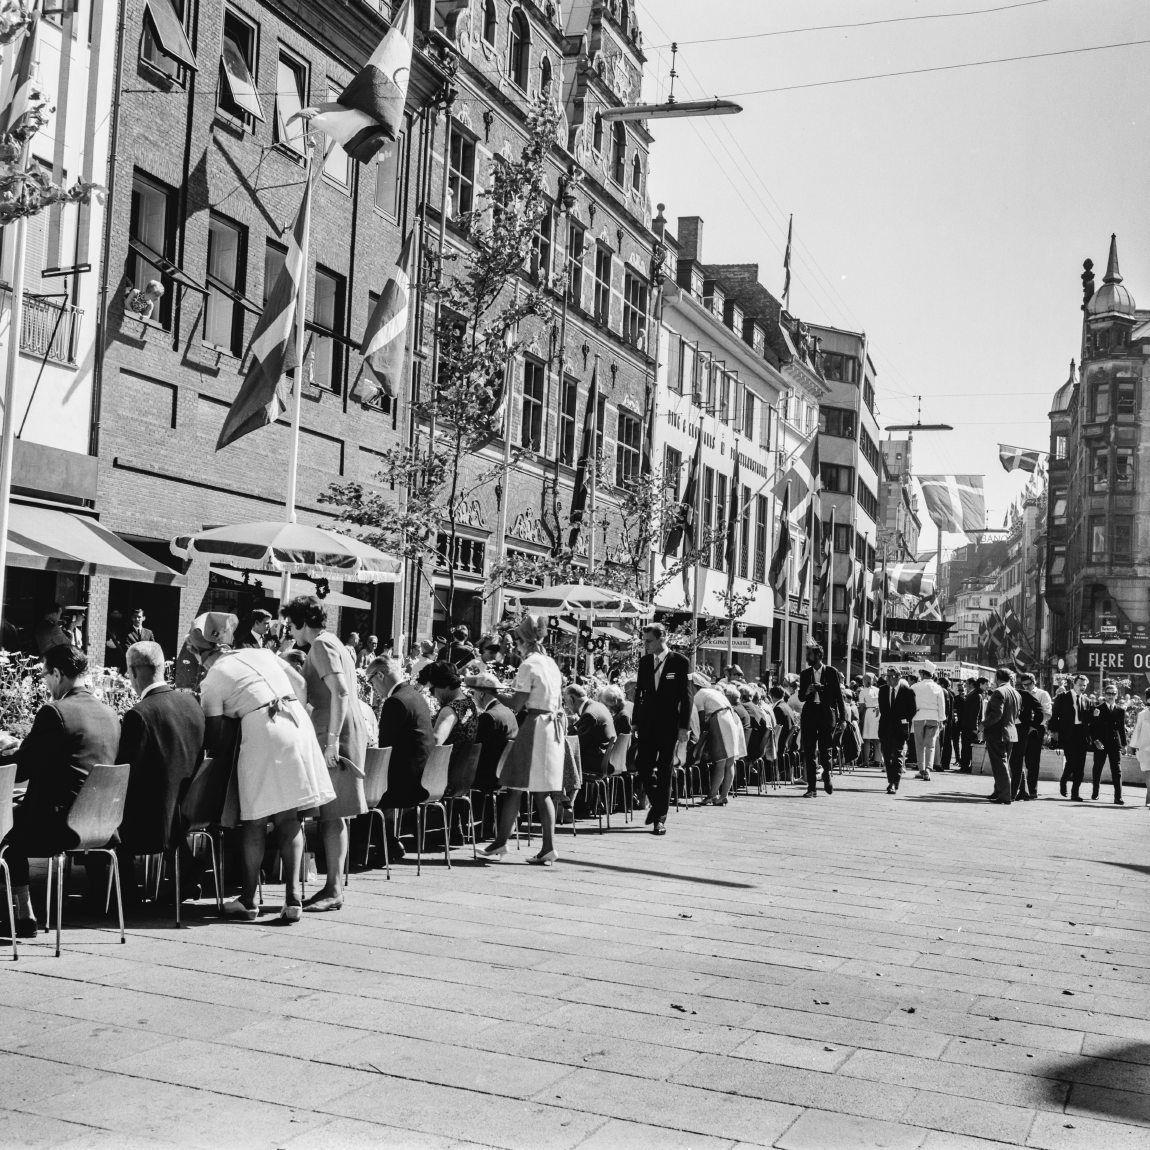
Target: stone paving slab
[(849, 973)]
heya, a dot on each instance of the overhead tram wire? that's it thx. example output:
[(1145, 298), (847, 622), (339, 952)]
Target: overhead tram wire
[(832, 294), (859, 24), (938, 68)]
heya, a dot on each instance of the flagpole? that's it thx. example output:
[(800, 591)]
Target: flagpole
[(882, 609), (787, 600), (593, 464), (697, 599), (863, 625), (938, 588), (508, 383), (831, 594), (851, 576), (297, 397), (15, 329)]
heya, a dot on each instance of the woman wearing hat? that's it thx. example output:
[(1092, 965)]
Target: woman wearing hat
[(535, 763), (332, 691), (720, 734), (279, 770)]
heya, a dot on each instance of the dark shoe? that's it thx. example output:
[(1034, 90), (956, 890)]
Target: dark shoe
[(1076, 798), (26, 927), (1093, 793), (395, 850), (650, 817), (1119, 802), (890, 790), (1062, 787), (811, 794), (827, 786), (659, 829)]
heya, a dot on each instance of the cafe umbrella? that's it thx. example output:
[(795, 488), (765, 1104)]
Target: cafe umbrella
[(290, 549)]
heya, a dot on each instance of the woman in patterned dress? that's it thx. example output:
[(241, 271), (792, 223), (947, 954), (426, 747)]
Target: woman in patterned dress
[(535, 763), (457, 719), (332, 693)]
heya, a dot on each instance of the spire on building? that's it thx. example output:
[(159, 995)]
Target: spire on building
[(1112, 298)]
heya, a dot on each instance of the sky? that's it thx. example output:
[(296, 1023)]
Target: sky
[(946, 214)]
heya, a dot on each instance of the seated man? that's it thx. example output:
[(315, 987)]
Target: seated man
[(162, 737), (592, 723), (69, 736), (405, 726), (495, 729)]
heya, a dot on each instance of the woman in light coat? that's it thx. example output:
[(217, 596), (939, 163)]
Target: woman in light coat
[(1140, 744)]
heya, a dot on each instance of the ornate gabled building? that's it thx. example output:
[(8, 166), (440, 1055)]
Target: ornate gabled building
[(1098, 553)]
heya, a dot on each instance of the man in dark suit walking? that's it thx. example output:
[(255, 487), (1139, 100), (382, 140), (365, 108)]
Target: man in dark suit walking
[(162, 738), (661, 720), (1108, 732), (1000, 726), (495, 728), (138, 633), (896, 711), (69, 736), (1070, 718), (969, 717), (821, 694), (592, 723)]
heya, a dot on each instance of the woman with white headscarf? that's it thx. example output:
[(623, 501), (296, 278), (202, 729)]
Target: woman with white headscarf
[(535, 763)]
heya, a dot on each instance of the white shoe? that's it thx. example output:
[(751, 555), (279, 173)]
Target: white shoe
[(491, 851), (543, 859)]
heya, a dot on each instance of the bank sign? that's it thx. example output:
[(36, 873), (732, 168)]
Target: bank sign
[(1125, 657)]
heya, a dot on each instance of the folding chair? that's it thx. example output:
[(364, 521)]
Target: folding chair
[(7, 788), (376, 768)]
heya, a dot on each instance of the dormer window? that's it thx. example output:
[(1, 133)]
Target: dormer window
[(618, 153), (489, 17)]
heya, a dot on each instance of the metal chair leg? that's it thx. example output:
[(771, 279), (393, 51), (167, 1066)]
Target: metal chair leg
[(11, 909), (176, 872), (420, 827), (446, 835), (59, 899)]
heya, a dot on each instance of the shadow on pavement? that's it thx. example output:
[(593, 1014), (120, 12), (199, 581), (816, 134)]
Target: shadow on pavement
[(660, 874), (1137, 868), (1111, 1084), (946, 797)]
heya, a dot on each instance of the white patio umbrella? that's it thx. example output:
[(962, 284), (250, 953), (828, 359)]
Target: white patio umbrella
[(580, 601), (291, 549)]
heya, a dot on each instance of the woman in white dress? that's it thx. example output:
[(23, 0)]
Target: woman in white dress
[(1140, 743), (535, 763), (868, 704), (280, 769), (720, 734)]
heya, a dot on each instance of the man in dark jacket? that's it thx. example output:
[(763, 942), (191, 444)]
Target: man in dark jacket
[(824, 711), (162, 737), (1070, 720), (1108, 731), (1000, 724), (69, 736), (1025, 754), (138, 633), (948, 735), (592, 723), (896, 711), (495, 728), (661, 720), (969, 720), (405, 726)]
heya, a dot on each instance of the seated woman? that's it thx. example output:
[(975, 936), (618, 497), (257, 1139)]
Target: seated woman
[(456, 720), (615, 701)]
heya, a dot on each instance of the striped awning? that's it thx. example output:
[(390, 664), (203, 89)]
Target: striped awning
[(48, 539)]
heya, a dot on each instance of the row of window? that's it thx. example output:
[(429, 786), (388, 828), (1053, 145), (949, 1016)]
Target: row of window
[(152, 232), (238, 89), (1110, 541), (719, 392), (1111, 469), (1120, 396), (753, 539)]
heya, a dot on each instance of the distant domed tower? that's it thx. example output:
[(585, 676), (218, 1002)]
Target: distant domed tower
[(1112, 298)]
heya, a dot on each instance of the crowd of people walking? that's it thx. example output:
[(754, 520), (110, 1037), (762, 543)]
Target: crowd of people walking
[(274, 730)]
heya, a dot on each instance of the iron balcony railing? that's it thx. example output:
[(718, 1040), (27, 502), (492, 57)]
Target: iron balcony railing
[(49, 329)]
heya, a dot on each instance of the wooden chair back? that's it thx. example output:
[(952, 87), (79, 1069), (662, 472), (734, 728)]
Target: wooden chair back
[(376, 768), (463, 768), (7, 788), (616, 760), (434, 778), (98, 809)]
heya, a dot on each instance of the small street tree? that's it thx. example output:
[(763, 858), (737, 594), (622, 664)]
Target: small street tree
[(480, 305)]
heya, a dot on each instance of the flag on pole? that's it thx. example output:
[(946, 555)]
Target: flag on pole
[(645, 462), (812, 503), (910, 579), (787, 264), (928, 607), (955, 502), (733, 517), (827, 564), (581, 495), (1018, 458), (263, 395), (384, 344), (778, 572), (804, 474), (369, 111), (21, 85)]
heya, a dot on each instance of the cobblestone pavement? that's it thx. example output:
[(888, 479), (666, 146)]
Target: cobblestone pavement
[(858, 971)]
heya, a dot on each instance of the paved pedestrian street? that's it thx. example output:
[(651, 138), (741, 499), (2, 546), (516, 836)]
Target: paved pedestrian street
[(856, 971)]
